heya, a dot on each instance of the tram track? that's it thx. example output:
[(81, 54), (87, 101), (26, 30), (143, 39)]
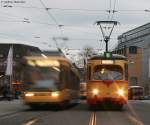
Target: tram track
[(93, 119), (131, 116), (129, 113), (31, 121)]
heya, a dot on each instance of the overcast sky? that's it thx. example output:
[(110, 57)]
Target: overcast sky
[(76, 16)]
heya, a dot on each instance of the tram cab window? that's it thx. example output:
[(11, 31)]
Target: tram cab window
[(107, 72), (42, 77)]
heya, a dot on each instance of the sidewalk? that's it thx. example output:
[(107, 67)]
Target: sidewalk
[(9, 107), (146, 101)]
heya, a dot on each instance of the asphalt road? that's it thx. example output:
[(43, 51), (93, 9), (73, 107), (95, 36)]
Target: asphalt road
[(135, 113)]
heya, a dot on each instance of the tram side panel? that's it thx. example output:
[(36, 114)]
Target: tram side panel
[(74, 86)]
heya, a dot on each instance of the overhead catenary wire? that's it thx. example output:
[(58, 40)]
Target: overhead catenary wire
[(108, 17), (24, 21), (78, 9), (11, 16), (113, 11), (49, 13), (109, 10), (86, 10), (112, 46), (52, 17), (105, 28)]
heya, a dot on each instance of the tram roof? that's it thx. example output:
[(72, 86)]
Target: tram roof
[(51, 52), (56, 58), (114, 57)]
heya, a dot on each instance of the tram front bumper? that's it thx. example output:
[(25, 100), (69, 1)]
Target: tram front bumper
[(42, 98), (107, 100)]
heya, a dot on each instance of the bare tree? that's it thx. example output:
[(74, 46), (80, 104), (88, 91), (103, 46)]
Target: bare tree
[(87, 52)]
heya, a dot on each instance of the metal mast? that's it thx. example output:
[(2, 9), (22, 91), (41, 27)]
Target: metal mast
[(106, 36)]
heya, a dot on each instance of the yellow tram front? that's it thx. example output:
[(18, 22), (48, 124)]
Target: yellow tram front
[(51, 80), (106, 80)]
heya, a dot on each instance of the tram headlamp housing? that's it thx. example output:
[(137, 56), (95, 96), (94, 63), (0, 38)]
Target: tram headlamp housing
[(120, 92), (29, 94), (95, 91), (55, 94)]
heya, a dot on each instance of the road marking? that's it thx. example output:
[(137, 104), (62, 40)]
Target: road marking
[(9, 115), (132, 116), (135, 120), (31, 121), (93, 119)]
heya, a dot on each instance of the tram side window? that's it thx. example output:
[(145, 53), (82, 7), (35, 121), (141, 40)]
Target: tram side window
[(64, 77), (74, 81), (133, 50)]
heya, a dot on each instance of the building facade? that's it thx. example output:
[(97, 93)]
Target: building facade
[(19, 51), (135, 44)]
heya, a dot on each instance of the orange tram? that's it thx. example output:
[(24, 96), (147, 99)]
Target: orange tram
[(107, 80)]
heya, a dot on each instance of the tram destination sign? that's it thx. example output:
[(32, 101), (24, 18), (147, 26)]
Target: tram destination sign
[(108, 54)]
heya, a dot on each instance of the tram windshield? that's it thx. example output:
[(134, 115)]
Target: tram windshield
[(107, 72), (44, 77)]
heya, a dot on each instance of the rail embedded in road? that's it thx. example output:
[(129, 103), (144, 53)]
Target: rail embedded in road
[(93, 119), (31, 121)]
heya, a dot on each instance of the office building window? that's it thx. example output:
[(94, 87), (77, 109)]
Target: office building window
[(133, 50), (133, 81)]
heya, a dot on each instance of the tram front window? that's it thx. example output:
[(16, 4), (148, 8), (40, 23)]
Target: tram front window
[(107, 72), (45, 78)]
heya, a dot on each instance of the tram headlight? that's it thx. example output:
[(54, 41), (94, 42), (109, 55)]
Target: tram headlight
[(95, 91), (55, 94), (29, 94), (120, 92)]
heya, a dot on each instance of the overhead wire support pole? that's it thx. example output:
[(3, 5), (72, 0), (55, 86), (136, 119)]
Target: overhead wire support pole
[(106, 37), (111, 30), (102, 30)]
